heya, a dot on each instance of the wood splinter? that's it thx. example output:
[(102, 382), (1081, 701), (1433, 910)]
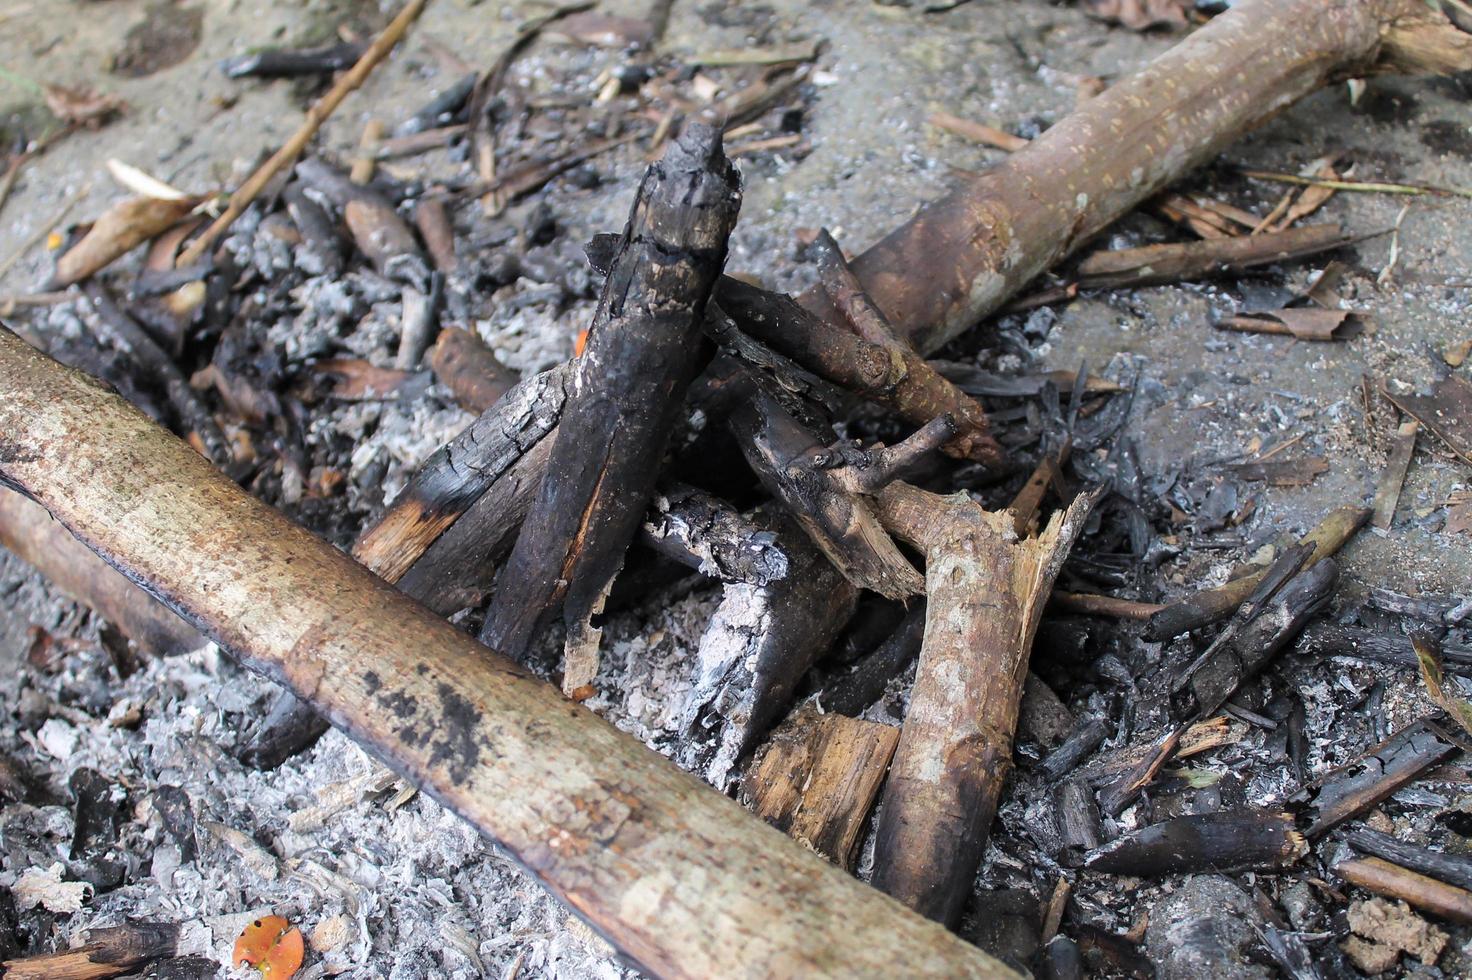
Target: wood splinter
[(985, 591), (627, 389), (817, 777)]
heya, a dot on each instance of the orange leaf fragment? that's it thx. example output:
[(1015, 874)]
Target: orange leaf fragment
[(271, 945), (581, 344)]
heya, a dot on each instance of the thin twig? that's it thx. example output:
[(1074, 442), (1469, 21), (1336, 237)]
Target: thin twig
[(1367, 186), (316, 116)]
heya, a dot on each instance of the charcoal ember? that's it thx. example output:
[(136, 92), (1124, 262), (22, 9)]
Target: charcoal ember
[(98, 813)]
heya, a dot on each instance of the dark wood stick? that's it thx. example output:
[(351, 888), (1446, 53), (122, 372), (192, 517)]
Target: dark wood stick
[(817, 777), (1177, 262), (1454, 869), (1384, 769), (457, 474), (1218, 676), (106, 953), (919, 394), (627, 388), (1384, 878), (1211, 605), (1202, 842), (891, 374), (1087, 736), (851, 692), (462, 362), (122, 331), (29, 533), (985, 592), (963, 256), (798, 469), (617, 832), (759, 644)]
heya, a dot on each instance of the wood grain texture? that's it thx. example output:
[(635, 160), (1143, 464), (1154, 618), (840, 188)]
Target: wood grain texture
[(817, 777), (675, 875)]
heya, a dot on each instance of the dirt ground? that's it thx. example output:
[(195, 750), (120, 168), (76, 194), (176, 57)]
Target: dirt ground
[(413, 893)]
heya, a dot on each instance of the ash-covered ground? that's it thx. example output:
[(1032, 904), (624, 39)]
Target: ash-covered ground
[(387, 884)]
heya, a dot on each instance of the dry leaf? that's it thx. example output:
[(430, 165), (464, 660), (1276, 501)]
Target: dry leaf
[(122, 227), (1304, 324), (82, 106), (271, 945), (1446, 412), (1140, 15), (1456, 354), (1428, 655)]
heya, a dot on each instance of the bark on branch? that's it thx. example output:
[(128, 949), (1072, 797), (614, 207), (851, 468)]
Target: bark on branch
[(960, 258), (985, 592)]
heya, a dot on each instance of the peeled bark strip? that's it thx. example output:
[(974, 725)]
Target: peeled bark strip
[(1220, 841), (456, 476), (961, 257), (985, 592), (1210, 605), (626, 390), (29, 533), (817, 777), (1454, 869), (617, 832)]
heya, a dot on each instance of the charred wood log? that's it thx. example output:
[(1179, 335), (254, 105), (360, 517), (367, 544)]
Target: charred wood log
[(1076, 816), (626, 390), (1080, 744), (1211, 605), (615, 830), (851, 692), (985, 592), (1362, 643), (107, 953), (891, 374), (828, 488), (1224, 840), (1217, 676), (1354, 788), (1454, 869), (457, 475), (759, 643)]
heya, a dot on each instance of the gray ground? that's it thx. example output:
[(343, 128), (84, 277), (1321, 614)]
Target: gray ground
[(420, 895)]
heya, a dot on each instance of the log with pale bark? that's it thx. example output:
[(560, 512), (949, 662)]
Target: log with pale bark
[(985, 591), (961, 258), (615, 831), (29, 533), (627, 388)]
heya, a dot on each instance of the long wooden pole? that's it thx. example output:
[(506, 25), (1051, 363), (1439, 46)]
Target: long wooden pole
[(675, 875), (963, 256)]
